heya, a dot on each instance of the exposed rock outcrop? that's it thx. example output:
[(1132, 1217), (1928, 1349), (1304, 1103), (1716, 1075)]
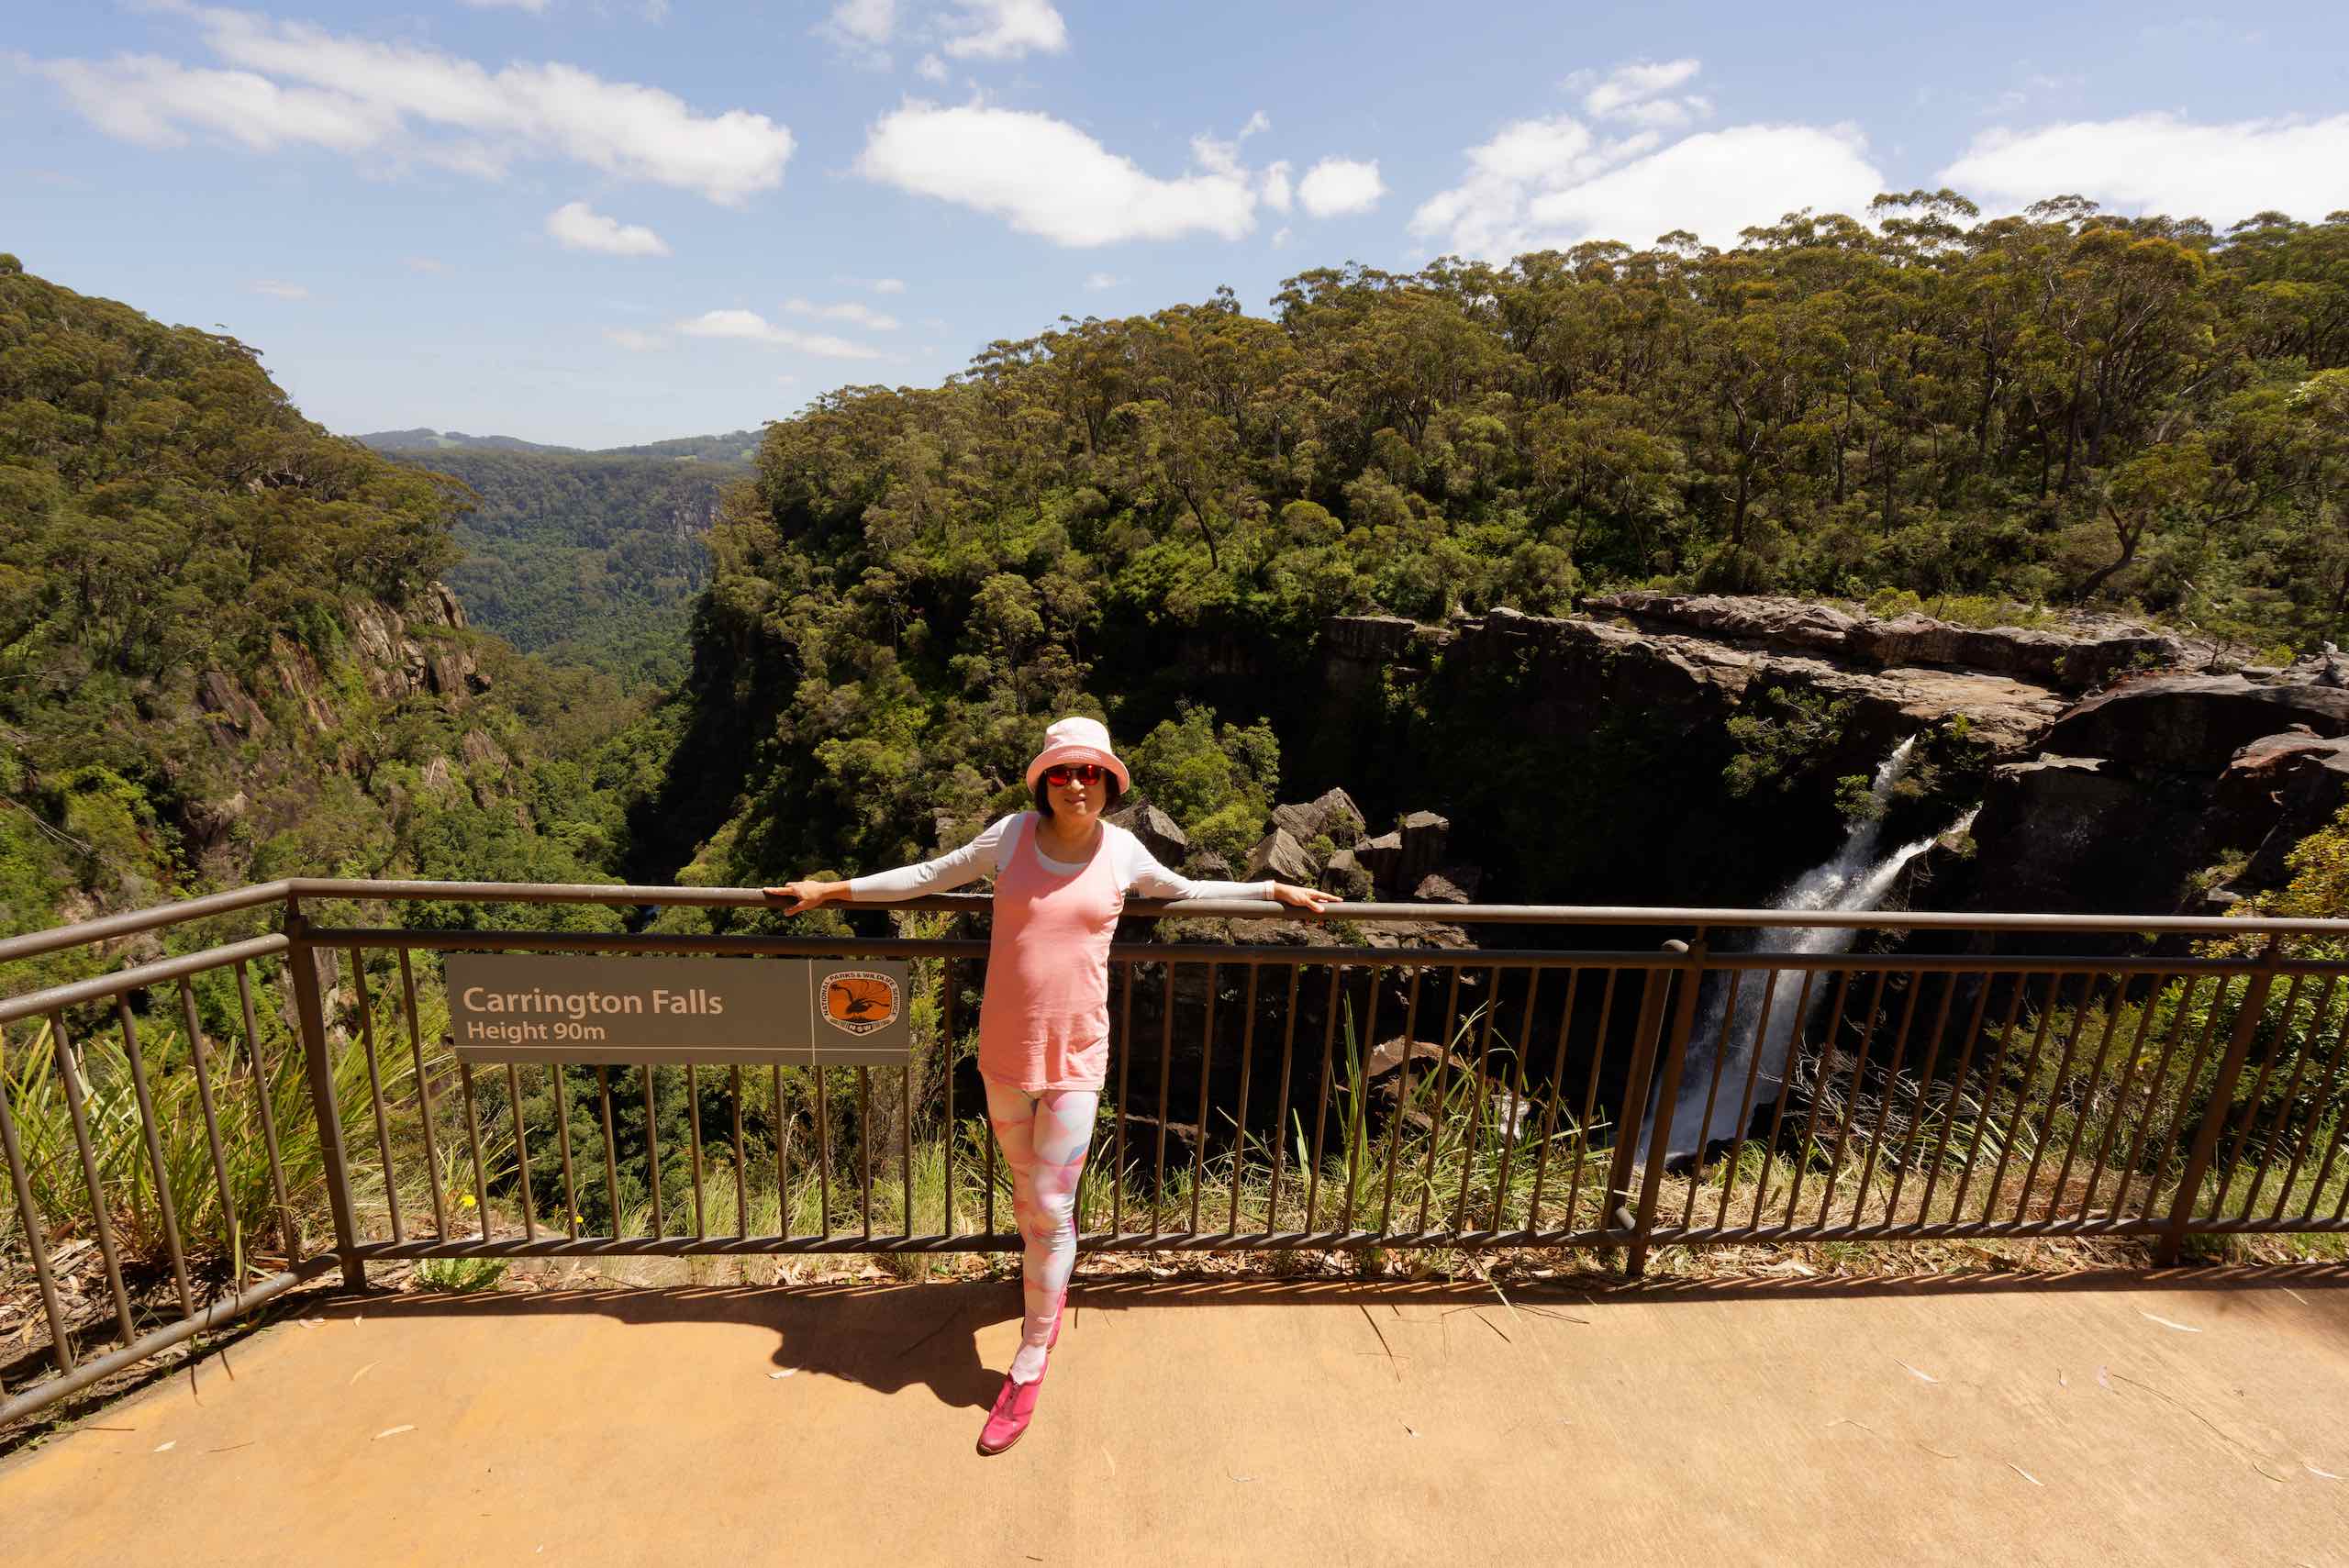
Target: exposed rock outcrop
[(2194, 722), (2084, 652), (1574, 673)]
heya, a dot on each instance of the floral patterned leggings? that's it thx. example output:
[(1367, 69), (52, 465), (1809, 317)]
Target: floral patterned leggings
[(1044, 1137)]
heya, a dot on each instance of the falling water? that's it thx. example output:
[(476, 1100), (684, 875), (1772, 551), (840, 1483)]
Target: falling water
[(1856, 879)]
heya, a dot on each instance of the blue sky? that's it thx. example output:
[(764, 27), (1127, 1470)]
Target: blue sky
[(600, 221)]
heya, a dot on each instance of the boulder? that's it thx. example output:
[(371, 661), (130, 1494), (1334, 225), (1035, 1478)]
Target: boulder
[(1159, 833), (1425, 837), (2194, 723), (1333, 815), (1382, 856), (2275, 791), (1280, 857), (1386, 936), (1437, 888), (1344, 876), (1207, 865)]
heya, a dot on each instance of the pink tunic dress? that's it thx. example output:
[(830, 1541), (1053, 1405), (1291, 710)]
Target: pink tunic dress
[(1045, 1020)]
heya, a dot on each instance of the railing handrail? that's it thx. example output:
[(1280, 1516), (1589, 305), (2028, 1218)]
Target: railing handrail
[(292, 890), (32, 944)]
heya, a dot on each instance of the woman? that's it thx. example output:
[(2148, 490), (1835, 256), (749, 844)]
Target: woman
[(1061, 876)]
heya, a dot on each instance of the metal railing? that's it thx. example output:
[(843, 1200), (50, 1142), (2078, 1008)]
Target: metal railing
[(187, 1136)]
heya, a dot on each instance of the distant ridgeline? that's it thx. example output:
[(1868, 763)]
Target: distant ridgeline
[(585, 558), (2061, 408), (227, 653)]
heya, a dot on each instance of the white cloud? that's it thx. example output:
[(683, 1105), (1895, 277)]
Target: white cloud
[(872, 22), (1048, 178), (1551, 182), (293, 83), (887, 285), (634, 341), (930, 67), (850, 310), (1280, 237), (1005, 29), (535, 7), (277, 290), (1338, 187), (751, 327), (861, 30), (1276, 188), (2159, 163), (426, 265), (154, 102), (1099, 281), (1639, 94), (1636, 84), (578, 227)]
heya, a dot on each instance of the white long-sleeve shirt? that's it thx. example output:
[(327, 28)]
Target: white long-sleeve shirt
[(1135, 869)]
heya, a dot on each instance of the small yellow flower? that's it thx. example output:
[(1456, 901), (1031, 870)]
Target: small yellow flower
[(466, 1200)]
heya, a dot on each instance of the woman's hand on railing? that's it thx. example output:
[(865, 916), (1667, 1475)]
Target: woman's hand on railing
[(1312, 900), (806, 895)]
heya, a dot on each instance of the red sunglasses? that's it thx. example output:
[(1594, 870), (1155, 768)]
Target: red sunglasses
[(1088, 773)]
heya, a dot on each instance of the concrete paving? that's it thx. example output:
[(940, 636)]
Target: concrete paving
[(2199, 1418)]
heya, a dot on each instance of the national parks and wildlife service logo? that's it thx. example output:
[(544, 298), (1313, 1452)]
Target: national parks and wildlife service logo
[(858, 1001)]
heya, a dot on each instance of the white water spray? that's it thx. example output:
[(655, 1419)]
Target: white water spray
[(1857, 879)]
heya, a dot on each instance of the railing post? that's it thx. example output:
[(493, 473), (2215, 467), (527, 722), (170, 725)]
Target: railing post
[(302, 961), (1667, 1094), (1647, 1036), (2214, 1120)]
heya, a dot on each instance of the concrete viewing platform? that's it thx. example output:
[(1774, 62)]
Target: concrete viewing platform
[(2193, 1417)]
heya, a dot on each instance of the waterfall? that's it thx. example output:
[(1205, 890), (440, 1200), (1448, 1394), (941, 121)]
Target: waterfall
[(1856, 879)]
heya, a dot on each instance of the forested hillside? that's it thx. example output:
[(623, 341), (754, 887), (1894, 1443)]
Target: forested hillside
[(588, 559), (226, 653), (2062, 408)]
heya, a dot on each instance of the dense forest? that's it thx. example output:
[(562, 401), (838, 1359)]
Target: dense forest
[(587, 560), (225, 654), (2057, 408)]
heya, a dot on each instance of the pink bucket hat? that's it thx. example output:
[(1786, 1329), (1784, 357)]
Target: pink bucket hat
[(1077, 740)]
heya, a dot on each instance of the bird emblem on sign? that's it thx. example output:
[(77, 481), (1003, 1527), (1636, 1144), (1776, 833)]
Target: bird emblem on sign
[(858, 1001)]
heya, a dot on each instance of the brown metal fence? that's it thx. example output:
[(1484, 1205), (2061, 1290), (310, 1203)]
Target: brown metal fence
[(191, 1135)]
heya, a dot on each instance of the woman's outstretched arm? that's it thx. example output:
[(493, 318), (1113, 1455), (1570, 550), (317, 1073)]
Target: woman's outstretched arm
[(953, 869), (1146, 876)]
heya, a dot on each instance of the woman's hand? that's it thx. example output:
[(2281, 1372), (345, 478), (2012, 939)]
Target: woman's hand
[(1312, 900), (806, 895)]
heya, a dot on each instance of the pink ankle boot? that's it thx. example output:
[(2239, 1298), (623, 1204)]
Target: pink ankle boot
[(1017, 1402)]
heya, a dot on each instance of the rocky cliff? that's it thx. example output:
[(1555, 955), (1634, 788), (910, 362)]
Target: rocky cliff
[(2119, 768)]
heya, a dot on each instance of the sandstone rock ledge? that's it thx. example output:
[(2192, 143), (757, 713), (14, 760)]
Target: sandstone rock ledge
[(1576, 669)]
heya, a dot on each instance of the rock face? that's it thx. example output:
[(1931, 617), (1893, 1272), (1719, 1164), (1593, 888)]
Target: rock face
[(1576, 673), (2089, 650), (2194, 722), (2290, 785), (2145, 788), (2118, 765)]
